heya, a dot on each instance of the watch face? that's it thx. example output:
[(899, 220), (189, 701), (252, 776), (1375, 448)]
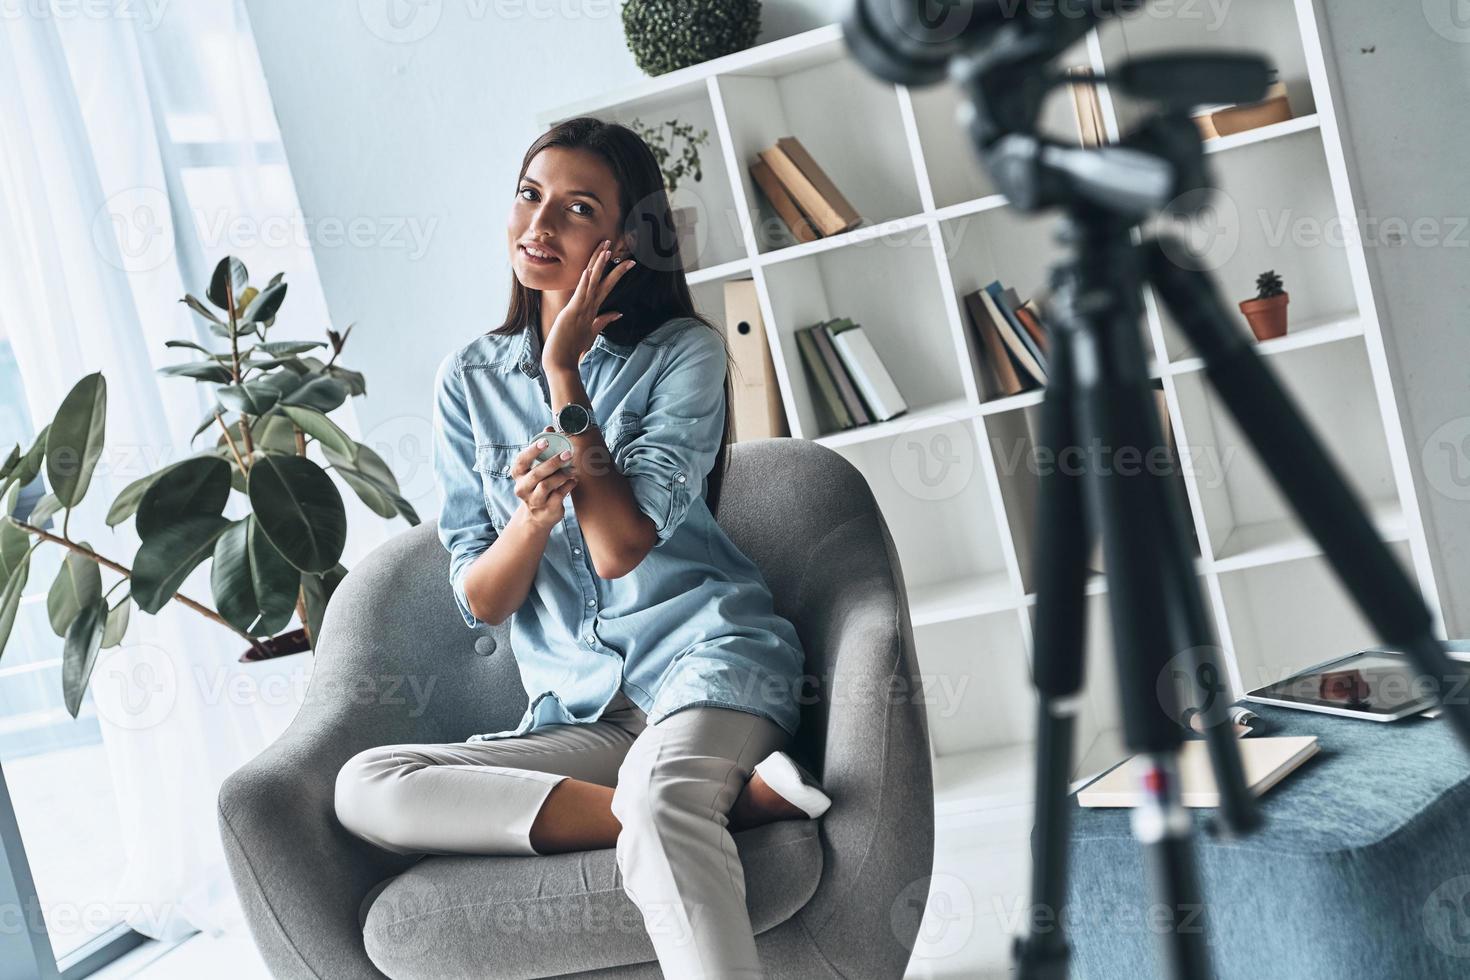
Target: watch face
[(572, 418)]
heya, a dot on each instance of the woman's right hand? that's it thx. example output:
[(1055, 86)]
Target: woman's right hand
[(541, 487)]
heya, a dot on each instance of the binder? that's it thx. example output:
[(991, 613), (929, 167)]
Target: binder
[(754, 392)]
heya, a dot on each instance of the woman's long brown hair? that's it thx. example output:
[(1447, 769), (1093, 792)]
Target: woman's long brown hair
[(655, 290)]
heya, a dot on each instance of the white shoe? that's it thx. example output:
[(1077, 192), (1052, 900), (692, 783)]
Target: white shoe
[(794, 784)]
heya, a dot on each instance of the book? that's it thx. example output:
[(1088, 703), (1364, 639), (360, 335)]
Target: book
[(1266, 762), (846, 388), (1012, 306), (796, 222), (1011, 332), (810, 187), (755, 393), (1031, 320), (1000, 373), (868, 372), (1227, 121), (832, 413)]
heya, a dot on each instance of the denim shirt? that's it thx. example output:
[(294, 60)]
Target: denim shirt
[(694, 623)]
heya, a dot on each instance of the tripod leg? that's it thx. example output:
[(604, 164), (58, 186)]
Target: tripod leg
[(1199, 654), (1126, 501), (1062, 544), (1322, 499)]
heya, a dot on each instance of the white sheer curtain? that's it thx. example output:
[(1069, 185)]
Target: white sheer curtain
[(134, 153)]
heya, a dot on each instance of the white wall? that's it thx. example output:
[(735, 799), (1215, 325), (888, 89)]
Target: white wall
[(1404, 99), (430, 128)]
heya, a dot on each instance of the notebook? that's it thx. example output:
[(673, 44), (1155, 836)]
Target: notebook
[(1266, 762)]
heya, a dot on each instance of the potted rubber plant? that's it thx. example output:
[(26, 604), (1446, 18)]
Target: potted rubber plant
[(271, 399), (1266, 311), (676, 146)]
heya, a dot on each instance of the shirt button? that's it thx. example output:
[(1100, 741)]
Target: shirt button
[(591, 639), (576, 551), (680, 478), (591, 602)]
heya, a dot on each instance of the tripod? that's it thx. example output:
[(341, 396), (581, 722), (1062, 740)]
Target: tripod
[(1098, 401)]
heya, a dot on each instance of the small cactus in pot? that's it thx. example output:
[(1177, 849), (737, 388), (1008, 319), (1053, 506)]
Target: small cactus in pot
[(1266, 311)]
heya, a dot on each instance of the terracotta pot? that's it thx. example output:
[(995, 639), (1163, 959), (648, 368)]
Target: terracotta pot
[(278, 646), (1267, 317)]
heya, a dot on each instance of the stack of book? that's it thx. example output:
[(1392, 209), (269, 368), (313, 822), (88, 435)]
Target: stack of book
[(801, 192), (1011, 337), (1227, 120), (1087, 107), (849, 384)]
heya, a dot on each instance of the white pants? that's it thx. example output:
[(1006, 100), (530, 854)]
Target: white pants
[(673, 786)]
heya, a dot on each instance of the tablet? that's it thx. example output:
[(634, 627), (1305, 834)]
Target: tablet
[(1380, 685)]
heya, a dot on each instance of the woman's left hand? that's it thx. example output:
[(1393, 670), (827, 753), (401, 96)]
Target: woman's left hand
[(579, 323)]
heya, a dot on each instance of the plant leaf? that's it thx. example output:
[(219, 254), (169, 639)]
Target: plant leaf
[(78, 584), (11, 462), (322, 429), (46, 508), (373, 481), (15, 545), (127, 501), (251, 398), (199, 371), (117, 623), (299, 509), (355, 382), (281, 348), (319, 392), (75, 440), (30, 464), (317, 592), (196, 486), (204, 311), (230, 270), (166, 559), (79, 655), (191, 346), (15, 584), (254, 587), (263, 306)]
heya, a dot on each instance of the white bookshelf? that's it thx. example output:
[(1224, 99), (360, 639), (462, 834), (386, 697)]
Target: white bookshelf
[(960, 506)]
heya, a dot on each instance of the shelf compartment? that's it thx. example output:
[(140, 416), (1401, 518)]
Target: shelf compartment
[(1326, 330), (1012, 438), (930, 486), (1273, 209), (1266, 27), (1016, 248), (977, 683), (956, 175), (815, 97), (1290, 615), (1247, 519), (892, 291)]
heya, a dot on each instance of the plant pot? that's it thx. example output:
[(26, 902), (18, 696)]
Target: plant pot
[(1267, 317), (278, 646), (685, 226)]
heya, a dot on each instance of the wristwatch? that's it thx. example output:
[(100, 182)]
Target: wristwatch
[(573, 419)]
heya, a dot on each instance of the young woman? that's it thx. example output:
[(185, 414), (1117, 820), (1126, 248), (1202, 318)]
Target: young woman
[(662, 683)]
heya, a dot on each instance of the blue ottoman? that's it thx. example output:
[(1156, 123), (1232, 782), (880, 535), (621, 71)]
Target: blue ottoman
[(1361, 869)]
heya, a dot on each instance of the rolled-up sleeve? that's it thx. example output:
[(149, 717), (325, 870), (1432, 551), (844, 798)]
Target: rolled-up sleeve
[(666, 460), (464, 523)]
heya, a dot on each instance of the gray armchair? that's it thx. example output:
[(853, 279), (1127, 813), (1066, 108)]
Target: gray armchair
[(832, 898)]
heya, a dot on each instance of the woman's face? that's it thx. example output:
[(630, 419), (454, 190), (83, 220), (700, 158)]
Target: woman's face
[(565, 205)]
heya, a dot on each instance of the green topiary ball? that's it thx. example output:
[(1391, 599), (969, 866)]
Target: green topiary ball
[(667, 34)]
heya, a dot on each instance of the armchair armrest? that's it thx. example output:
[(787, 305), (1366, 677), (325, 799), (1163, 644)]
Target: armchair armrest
[(878, 837)]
